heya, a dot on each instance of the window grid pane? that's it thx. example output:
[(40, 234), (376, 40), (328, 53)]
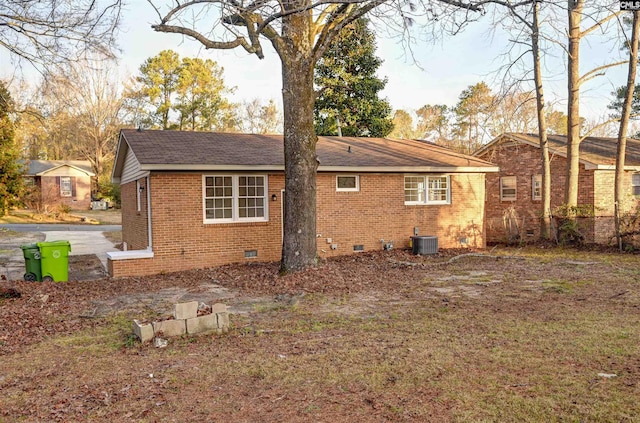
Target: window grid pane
[(438, 189), (219, 197), (413, 189), (251, 191)]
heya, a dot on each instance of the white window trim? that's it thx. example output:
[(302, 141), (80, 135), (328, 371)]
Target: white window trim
[(535, 197), (63, 192), (235, 203), (357, 187), (426, 191), (515, 195)]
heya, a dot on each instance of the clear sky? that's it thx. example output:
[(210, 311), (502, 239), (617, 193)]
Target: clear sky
[(444, 70)]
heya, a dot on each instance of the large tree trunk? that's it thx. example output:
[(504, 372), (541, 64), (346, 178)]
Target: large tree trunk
[(545, 221), (573, 105), (624, 124), (300, 160)]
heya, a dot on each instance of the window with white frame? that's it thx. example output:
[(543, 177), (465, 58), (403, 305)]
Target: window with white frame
[(536, 187), (348, 183), (508, 188), (66, 187), (427, 189), (235, 198), (635, 184)]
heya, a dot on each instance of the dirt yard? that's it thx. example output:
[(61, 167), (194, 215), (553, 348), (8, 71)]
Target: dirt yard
[(523, 335)]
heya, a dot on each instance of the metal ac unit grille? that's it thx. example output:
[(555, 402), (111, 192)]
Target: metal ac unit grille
[(424, 245)]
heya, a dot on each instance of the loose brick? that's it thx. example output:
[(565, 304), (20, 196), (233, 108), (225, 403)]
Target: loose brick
[(185, 310), (223, 321), (200, 324), (219, 308), (144, 332), (170, 328)]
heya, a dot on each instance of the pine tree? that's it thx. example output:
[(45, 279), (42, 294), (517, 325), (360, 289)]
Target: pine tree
[(11, 175), (348, 87)]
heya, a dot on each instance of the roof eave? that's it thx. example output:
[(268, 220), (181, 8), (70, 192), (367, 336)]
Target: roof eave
[(44, 172), (280, 168)]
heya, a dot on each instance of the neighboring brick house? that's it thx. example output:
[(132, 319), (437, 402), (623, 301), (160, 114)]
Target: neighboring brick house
[(513, 196), (61, 182), (201, 199)]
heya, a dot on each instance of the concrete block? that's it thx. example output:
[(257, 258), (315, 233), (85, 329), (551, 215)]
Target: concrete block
[(223, 321), (170, 328), (144, 332), (185, 310), (219, 308), (201, 324)]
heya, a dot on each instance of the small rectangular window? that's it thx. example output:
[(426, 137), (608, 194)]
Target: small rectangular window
[(251, 253), (358, 247), (66, 187), (536, 187), (508, 188), (635, 184), (348, 183)]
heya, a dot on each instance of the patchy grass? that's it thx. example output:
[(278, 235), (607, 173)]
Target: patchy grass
[(531, 346)]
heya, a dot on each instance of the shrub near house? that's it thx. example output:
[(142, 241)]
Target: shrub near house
[(196, 199)]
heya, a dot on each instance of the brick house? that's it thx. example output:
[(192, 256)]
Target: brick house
[(202, 199), (513, 207), (59, 182)]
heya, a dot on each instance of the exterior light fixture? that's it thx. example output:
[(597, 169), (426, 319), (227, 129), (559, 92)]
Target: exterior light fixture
[(274, 197)]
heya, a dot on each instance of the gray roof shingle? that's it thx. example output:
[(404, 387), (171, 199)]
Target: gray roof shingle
[(595, 150), (38, 167), (156, 149)]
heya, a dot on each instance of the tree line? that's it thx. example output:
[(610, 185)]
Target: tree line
[(301, 32)]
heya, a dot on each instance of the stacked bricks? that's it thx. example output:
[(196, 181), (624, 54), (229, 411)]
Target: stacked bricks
[(185, 321)]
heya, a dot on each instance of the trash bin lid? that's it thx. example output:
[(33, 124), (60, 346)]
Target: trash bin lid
[(54, 244), (29, 247)]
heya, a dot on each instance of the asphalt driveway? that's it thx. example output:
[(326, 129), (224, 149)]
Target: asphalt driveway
[(84, 240)]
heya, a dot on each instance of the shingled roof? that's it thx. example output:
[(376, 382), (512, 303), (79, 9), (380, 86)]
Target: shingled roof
[(41, 167), (595, 152), (181, 150)]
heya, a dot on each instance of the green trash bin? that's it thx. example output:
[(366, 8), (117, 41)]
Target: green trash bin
[(32, 262), (54, 260)]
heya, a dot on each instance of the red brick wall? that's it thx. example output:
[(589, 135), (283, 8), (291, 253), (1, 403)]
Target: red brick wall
[(378, 212), (182, 241), (134, 223), (523, 161), (50, 193)]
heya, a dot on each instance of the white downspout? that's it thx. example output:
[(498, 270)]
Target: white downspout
[(150, 242)]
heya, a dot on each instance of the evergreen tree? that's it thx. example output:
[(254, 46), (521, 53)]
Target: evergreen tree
[(348, 87), (174, 93), (11, 181)]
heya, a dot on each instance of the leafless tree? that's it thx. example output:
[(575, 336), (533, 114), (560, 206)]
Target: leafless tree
[(46, 33), (299, 31), (624, 122)]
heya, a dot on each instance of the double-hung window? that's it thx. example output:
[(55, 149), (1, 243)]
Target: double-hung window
[(235, 198), (427, 189), (508, 188), (66, 186), (635, 184), (536, 187)]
